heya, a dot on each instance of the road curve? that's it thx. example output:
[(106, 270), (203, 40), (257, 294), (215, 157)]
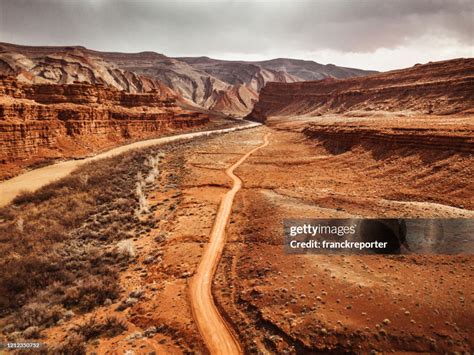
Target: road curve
[(213, 328), (37, 178)]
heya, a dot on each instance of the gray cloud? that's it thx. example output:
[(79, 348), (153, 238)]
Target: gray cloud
[(246, 27)]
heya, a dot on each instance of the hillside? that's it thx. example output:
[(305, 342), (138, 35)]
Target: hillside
[(306, 70), (69, 65), (283, 69), (41, 122), (230, 87), (435, 88)]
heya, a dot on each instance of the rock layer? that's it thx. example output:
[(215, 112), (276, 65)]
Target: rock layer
[(69, 65), (440, 88), (49, 121), (231, 87), (341, 138)]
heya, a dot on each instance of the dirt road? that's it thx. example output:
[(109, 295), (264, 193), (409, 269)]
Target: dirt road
[(213, 328), (35, 179)]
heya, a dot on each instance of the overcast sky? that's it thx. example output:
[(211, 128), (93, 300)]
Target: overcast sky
[(368, 34)]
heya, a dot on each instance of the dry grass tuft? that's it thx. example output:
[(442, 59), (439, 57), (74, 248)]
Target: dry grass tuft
[(73, 345), (58, 246), (93, 328)]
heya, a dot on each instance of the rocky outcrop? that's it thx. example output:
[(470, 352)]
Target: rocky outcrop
[(228, 87), (339, 138), (438, 88), (239, 98), (232, 87), (250, 74), (254, 76), (69, 65), (307, 70), (81, 93), (49, 121)]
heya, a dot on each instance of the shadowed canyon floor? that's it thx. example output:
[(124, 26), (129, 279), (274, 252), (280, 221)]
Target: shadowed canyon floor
[(274, 303)]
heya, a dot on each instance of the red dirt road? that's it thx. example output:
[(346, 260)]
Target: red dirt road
[(213, 328)]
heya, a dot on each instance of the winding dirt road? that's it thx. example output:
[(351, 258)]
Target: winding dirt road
[(213, 328)]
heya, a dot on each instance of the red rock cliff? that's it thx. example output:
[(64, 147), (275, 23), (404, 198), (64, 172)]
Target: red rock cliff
[(440, 88), (50, 121)]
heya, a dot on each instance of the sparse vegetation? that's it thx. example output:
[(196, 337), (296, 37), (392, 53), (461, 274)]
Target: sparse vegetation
[(34, 314), (61, 247), (93, 328), (73, 345)]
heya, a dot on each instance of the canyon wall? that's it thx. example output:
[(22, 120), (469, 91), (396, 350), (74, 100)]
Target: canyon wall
[(82, 93), (439, 88), (46, 121), (230, 87), (444, 139)]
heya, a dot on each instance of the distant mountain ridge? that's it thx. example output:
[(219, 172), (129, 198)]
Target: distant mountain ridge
[(298, 69), (231, 87)]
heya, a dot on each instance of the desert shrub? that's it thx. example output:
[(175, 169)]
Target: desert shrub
[(141, 196), (74, 344), (23, 276), (33, 197), (125, 249), (123, 204), (92, 292), (114, 326), (32, 332), (60, 246), (92, 329), (34, 314)]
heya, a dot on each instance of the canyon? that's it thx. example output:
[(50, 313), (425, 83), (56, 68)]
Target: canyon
[(177, 248), (231, 87), (69, 102), (425, 108), (420, 90), (268, 300), (44, 122)]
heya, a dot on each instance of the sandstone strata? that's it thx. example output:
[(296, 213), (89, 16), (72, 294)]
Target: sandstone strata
[(445, 138), (440, 88), (49, 121), (231, 87)]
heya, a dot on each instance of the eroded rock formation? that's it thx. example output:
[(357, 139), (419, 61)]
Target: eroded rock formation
[(231, 87), (49, 121), (439, 88), (446, 138)]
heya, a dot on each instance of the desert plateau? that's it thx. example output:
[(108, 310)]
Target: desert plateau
[(144, 196)]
